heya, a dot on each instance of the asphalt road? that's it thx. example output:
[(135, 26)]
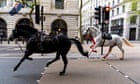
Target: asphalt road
[(29, 71)]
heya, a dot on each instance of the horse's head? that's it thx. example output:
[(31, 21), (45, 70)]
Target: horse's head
[(93, 31), (14, 35), (24, 31), (87, 35)]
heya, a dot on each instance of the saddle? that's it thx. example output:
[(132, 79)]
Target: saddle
[(40, 38), (106, 36)]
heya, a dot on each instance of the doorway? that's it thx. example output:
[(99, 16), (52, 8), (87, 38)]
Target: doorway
[(59, 26), (132, 34)]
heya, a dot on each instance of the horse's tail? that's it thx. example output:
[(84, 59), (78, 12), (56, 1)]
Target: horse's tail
[(127, 42), (79, 47)]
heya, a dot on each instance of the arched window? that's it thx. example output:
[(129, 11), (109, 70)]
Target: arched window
[(3, 3), (59, 4), (59, 25), (25, 21), (3, 30)]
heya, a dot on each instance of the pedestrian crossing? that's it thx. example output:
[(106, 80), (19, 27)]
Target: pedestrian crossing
[(15, 51)]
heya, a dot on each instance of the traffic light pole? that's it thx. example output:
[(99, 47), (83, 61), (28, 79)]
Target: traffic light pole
[(104, 22), (37, 13), (42, 18), (102, 26), (102, 16), (99, 17)]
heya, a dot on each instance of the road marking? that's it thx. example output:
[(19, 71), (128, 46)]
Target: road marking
[(122, 73)]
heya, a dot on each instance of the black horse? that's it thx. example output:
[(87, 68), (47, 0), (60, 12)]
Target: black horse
[(60, 44)]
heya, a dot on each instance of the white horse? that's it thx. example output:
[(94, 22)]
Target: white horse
[(115, 41)]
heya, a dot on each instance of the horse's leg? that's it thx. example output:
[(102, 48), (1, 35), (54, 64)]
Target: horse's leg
[(106, 55), (26, 56), (55, 59), (93, 49), (122, 50), (65, 60)]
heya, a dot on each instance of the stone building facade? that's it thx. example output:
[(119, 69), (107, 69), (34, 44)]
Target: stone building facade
[(58, 14), (124, 17)]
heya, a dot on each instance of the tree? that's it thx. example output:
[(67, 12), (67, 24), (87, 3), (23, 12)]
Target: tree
[(135, 6), (31, 5), (80, 29)]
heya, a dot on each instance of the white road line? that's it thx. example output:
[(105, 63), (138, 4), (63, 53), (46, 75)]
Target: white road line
[(122, 73)]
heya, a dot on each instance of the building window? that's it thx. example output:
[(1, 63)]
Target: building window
[(133, 19), (113, 3), (134, 6), (117, 10), (3, 3), (112, 12), (59, 4), (123, 9), (118, 1), (3, 30)]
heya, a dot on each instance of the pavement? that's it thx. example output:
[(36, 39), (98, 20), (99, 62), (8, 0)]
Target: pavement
[(97, 71)]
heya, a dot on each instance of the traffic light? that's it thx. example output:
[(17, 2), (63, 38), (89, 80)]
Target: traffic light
[(106, 12), (97, 14), (37, 14)]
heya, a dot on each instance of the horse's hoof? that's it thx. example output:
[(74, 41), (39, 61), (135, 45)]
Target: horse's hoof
[(121, 58), (87, 56), (103, 59), (29, 58), (15, 69), (47, 65), (61, 73)]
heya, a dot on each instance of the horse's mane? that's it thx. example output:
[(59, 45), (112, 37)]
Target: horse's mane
[(26, 27), (95, 31)]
